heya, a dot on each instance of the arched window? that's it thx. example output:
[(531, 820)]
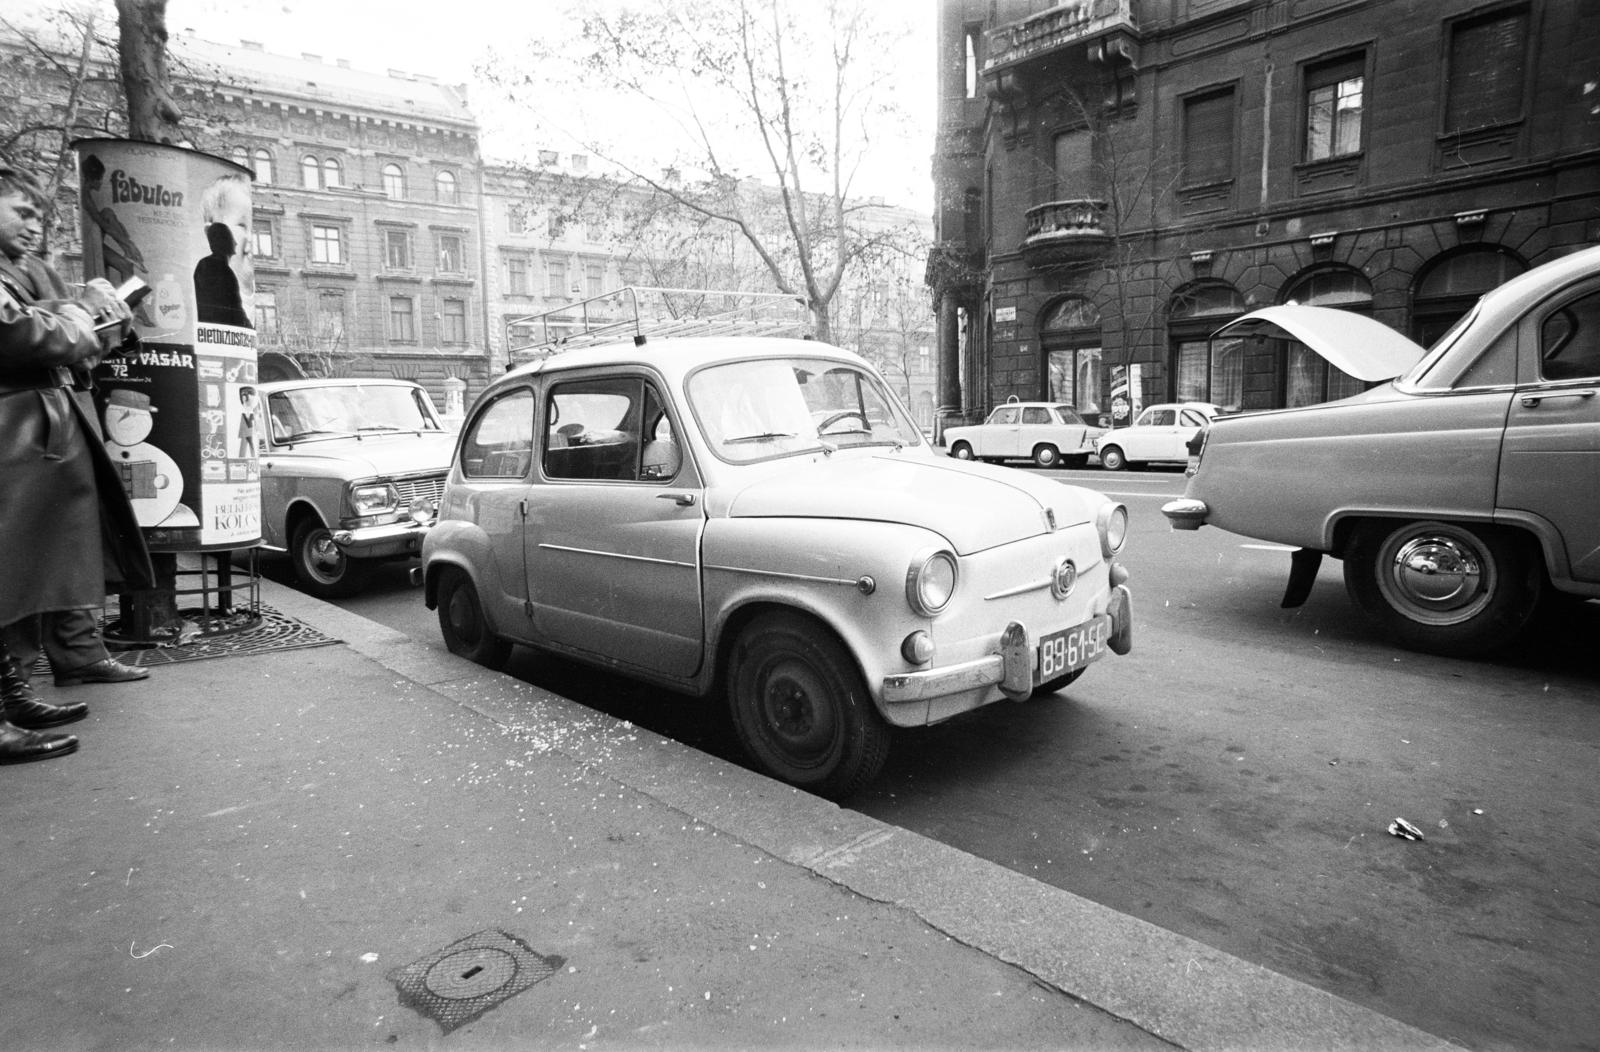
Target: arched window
[(332, 173), (310, 173), (241, 156), (1449, 285), (394, 182), (261, 161), (1203, 370), (1308, 378), (444, 185), (1069, 336)]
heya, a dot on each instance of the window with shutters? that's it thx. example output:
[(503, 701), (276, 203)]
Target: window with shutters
[(1335, 101), (1208, 151), (1487, 68)]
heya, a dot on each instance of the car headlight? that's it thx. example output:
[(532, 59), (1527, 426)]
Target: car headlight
[(374, 499), (1112, 523), (931, 582)]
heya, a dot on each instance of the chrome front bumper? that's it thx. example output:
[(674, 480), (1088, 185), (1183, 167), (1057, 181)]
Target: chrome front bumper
[(1011, 669), (376, 542), (1186, 513)]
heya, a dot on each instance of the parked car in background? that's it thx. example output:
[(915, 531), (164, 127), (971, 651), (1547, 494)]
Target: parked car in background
[(1160, 434), (1462, 495), (761, 519), (351, 475), (1051, 434)]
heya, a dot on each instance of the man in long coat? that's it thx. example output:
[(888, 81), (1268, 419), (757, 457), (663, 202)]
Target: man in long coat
[(66, 526)]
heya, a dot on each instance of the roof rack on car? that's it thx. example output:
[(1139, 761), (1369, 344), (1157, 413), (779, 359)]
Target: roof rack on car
[(643, 312)]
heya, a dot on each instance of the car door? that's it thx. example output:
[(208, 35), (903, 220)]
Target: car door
[(1038, 426), (495, 464), (1550, 463), (1152, 432), (1003, 435), (614, 528)]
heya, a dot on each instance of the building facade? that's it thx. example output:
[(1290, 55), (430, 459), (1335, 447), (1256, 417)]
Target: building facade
[(1118, 178)]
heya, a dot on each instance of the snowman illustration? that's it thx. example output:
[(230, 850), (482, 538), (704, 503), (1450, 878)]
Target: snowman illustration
[(149, 476)]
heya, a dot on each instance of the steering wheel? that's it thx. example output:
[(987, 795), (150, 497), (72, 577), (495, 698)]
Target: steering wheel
[(836, 417)]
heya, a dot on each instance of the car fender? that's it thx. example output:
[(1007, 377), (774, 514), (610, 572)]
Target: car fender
[(465, 545), (850, 575)]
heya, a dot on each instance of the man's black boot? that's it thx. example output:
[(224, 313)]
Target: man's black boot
[(18, 745), (24, 709)]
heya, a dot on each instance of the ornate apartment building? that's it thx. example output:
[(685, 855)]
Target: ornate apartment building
[(1117, 178)]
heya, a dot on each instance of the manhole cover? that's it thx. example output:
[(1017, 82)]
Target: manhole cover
[(461, 982)]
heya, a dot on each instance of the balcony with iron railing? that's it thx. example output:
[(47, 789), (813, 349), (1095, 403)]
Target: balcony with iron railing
[(1065, 232), (1108, 29)]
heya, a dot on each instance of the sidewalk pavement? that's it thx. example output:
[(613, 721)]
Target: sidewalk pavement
[(378, 845)]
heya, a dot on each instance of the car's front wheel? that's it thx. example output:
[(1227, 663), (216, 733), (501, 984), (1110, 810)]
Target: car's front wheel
[(466, 631), (321, 567), (1445, 588), (1046, 456), (1111, 458), (800, 708), (961, 451)]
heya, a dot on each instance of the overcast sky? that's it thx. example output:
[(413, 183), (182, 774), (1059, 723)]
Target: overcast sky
[(445, 40)]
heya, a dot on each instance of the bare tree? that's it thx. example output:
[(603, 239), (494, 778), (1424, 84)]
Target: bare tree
[(768, 104), (153, 114)]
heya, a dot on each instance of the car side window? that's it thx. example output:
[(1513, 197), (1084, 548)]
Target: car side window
[(1569, 341), (1158, 418), (613, 429), (499, 441), (1193, 419), (1006, 414), (1036, 415)]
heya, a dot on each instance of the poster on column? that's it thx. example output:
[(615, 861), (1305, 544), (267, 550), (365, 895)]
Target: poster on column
[(180, 411)]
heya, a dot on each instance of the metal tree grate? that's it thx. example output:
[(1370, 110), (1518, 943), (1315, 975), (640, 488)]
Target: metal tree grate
[(461, 982)]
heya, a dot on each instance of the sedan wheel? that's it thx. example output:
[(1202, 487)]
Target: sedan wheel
[(800, 709), (322, 569), (1444, 588), (961, 451), (1046, 456), (1111, 458)]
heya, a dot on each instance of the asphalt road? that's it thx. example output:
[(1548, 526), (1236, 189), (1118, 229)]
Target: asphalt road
[(1233, 779)]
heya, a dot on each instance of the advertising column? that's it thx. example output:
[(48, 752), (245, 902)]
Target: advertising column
[(180, 412)]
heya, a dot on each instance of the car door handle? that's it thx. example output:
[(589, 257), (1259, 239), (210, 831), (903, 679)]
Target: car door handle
[(684, 500), (1532, 401)]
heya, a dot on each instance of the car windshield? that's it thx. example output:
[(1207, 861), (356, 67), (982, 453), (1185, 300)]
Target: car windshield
[(303, 413), (755, 410)]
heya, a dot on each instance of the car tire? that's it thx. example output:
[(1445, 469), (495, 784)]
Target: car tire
[(1444, 588), (800, 708), (321, 568), (465, 630), (1046, 456), (961, 451), (1054, 685), (1111, 458)]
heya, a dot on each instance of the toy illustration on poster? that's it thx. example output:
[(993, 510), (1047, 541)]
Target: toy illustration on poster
[(224, 280), (151, 478)]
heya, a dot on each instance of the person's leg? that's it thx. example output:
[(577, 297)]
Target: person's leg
[(78, 653), (18, 743), (21, 707)]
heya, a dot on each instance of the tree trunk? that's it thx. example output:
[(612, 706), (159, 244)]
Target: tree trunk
[(153, 115)]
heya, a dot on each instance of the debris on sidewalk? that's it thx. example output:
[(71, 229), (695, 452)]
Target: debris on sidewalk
[(1405, 830)]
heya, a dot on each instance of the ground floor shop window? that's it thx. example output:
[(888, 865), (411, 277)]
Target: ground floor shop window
[(1210, 372), (1074, 378), (1309, 379)]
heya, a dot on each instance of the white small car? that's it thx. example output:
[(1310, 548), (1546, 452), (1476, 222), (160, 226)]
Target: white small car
[(1051, 434), (761, 519), (1160, 434), (351, 473)]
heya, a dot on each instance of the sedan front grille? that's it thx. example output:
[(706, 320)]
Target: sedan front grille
[(430, 487)]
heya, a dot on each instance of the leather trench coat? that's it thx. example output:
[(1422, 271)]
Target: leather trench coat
[(67, 529)]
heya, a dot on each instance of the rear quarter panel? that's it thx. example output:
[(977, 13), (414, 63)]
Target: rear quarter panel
[(1291, 476)]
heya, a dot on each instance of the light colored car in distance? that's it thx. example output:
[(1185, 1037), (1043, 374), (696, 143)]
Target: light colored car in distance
[(1463, 496), (1051, 434), (351, 475), (1160, 434), (760, 520)]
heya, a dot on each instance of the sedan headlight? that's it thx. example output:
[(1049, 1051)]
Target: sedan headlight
[(374, 499), (931, 582), (1112, 523)]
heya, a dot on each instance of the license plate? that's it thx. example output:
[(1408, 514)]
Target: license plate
[(1072, 648)]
